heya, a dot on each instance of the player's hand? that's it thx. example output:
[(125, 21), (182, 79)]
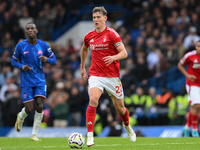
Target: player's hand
[(83, 73), (108, 60), (191, 78), (43, 58), (26, 68)]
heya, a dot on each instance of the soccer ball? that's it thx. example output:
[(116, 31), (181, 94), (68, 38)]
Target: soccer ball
[(76, 140)]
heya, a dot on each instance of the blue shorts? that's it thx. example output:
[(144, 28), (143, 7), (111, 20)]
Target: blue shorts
[(28, 93)]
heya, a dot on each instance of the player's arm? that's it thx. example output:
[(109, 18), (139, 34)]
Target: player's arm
[(121, 55), (15, 59), (15, 63), (51, 60), (84, 54), (183, 70), (49, 56)]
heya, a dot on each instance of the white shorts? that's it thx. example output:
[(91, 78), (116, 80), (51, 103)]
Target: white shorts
[(112, 85), (194, 94)]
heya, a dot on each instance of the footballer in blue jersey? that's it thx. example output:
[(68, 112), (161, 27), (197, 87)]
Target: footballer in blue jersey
[(29, 56)]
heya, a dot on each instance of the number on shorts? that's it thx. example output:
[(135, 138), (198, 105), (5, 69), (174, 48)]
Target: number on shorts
[(118, 89)]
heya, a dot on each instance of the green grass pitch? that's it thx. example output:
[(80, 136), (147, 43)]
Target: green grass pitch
[(108, 143)]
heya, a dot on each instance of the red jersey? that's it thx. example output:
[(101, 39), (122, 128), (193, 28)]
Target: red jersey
[(192, 59), (101, 45)]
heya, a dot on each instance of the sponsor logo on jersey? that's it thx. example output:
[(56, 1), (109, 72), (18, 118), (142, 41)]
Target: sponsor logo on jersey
[(196, 66), (98, 46), (26, 52)]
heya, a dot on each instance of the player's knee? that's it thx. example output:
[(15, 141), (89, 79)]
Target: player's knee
[(39, 107), (94, 101), (120, 110), (29, 109)]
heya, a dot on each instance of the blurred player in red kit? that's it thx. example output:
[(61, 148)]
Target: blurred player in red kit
[(192, 59)]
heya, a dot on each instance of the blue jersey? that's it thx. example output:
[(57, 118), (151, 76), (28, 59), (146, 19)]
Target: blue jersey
[(27, 54)]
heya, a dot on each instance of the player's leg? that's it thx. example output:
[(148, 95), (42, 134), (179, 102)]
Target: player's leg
[(124, 114), (186, 129), (94, 95), (115, 90), (27, 98), (39, 97), (195, 119)]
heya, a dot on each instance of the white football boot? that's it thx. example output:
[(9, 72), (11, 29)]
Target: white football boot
[(131, 133), (34, 138), (90, 139)]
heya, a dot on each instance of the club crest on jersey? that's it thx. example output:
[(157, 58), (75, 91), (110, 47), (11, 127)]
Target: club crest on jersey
[(25, 96), (39, 52)]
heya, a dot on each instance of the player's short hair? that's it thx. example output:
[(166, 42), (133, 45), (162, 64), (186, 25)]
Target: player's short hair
[(31, 23), (101, 10)]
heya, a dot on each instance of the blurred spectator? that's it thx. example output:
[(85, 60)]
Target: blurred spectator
[(5, 59), (152, 58), (191, 37), (8, 42), (75, 109), (171, 55), (139, 103), (52, 100), (178, 108), (25, 18), (7, 88), (163, 100), (60, 112), (7, 20), (32, 9), (179, 46), (5, 73), (60, 15), (17, 33), (12, 106), (161, 66), (74, 62), (151, 109), (43, 26), (142, 72)]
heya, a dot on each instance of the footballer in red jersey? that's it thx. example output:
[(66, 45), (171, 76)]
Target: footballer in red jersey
[(192, 60), (107, 49)]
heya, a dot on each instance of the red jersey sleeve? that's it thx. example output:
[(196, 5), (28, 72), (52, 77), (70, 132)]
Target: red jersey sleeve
[(186, 58), (115, 37)]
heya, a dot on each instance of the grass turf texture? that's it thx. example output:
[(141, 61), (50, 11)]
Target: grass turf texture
[(108, 143)]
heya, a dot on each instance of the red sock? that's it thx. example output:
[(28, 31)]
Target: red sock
[(189, 119), (125, 118), (90, 117), (194, 121)]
